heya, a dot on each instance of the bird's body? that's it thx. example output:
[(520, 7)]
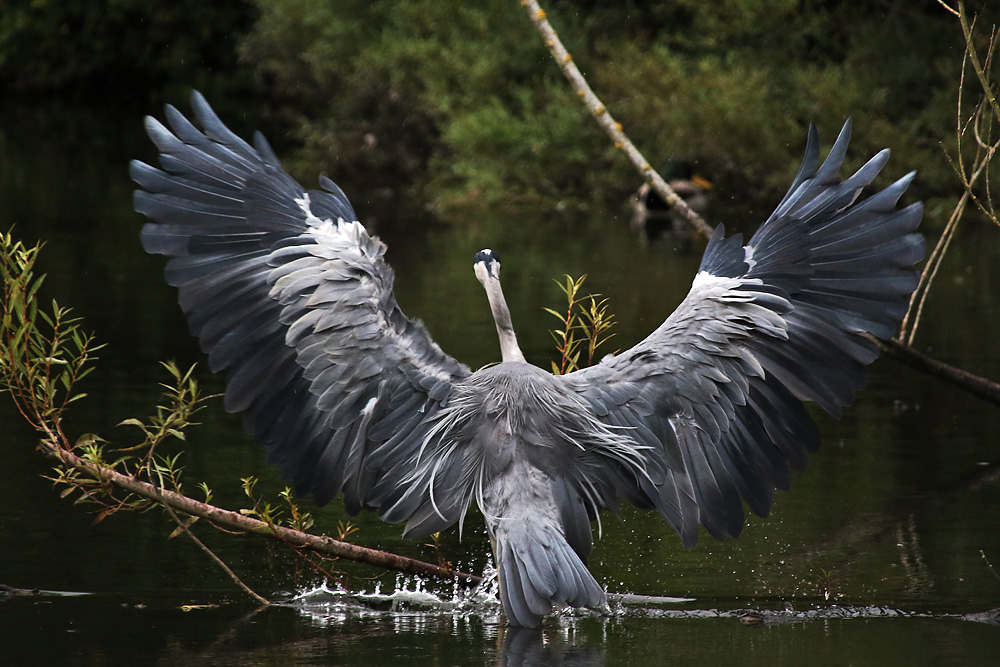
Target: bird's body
[(292, 299), (534, 451)]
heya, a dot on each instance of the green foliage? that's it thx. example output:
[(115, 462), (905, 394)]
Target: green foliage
[(461, 106), (739, 109), (43, 354), (824, 584), (464, 102), (274, 515), (586, 324), (140, 461), (375, 86), (439, 556), (182, 399), (345, 529), (297, 519)]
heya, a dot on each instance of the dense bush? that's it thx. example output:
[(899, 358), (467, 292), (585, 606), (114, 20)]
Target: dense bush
[(463, 101)]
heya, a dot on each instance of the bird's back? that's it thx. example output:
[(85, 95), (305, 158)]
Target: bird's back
[(541, 447)]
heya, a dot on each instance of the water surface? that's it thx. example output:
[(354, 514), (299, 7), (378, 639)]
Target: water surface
[(874, 557)]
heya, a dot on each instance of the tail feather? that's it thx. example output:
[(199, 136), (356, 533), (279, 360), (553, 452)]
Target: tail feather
[(538, 570)]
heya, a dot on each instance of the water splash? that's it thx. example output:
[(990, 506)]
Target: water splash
[(417, 602), (414, 596), (410, 596)]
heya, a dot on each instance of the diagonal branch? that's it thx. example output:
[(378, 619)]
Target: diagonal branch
[(186, 529), (235, 521), (984, 388), (977, 67), (607, 122)]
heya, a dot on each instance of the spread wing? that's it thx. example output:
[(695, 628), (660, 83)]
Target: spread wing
[(714, 395), (292, 299)]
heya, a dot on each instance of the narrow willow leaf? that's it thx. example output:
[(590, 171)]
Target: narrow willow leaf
[(186, 523)]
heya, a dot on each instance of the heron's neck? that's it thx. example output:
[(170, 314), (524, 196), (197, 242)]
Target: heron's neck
[(509, 351)]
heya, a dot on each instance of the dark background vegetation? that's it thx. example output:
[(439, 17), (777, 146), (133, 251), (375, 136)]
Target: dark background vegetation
[(457, 108)]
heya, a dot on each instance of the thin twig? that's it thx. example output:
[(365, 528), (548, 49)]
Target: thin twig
[(908, 330), (211, 554), (953, 11), (918, 299), (974, 57), (914, 312), (185, 527), (607, 121)]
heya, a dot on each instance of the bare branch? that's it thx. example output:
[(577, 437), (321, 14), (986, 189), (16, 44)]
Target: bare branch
[(974, 57), (985, 152), (604, 118), (984, 388), (183, 526)]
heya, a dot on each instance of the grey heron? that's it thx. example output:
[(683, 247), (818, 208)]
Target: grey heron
[(291, 298)]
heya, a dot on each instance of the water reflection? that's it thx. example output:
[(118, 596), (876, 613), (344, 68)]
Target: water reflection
[(440, 639), (525, 647)]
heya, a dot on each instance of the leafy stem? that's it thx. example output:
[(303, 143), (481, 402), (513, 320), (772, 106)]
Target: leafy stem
[(585, 323), (43, 355)]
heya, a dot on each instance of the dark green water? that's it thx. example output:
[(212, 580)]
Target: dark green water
[(872, 558)]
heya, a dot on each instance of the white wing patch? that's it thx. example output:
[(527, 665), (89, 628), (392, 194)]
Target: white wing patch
[(341, 278), (705, 280), (311, 219), (720, 286)]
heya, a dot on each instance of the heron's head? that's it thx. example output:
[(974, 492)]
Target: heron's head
[(487, 265)]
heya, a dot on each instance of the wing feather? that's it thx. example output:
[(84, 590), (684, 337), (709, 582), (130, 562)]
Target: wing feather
[(292, 299), (715, 393)]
